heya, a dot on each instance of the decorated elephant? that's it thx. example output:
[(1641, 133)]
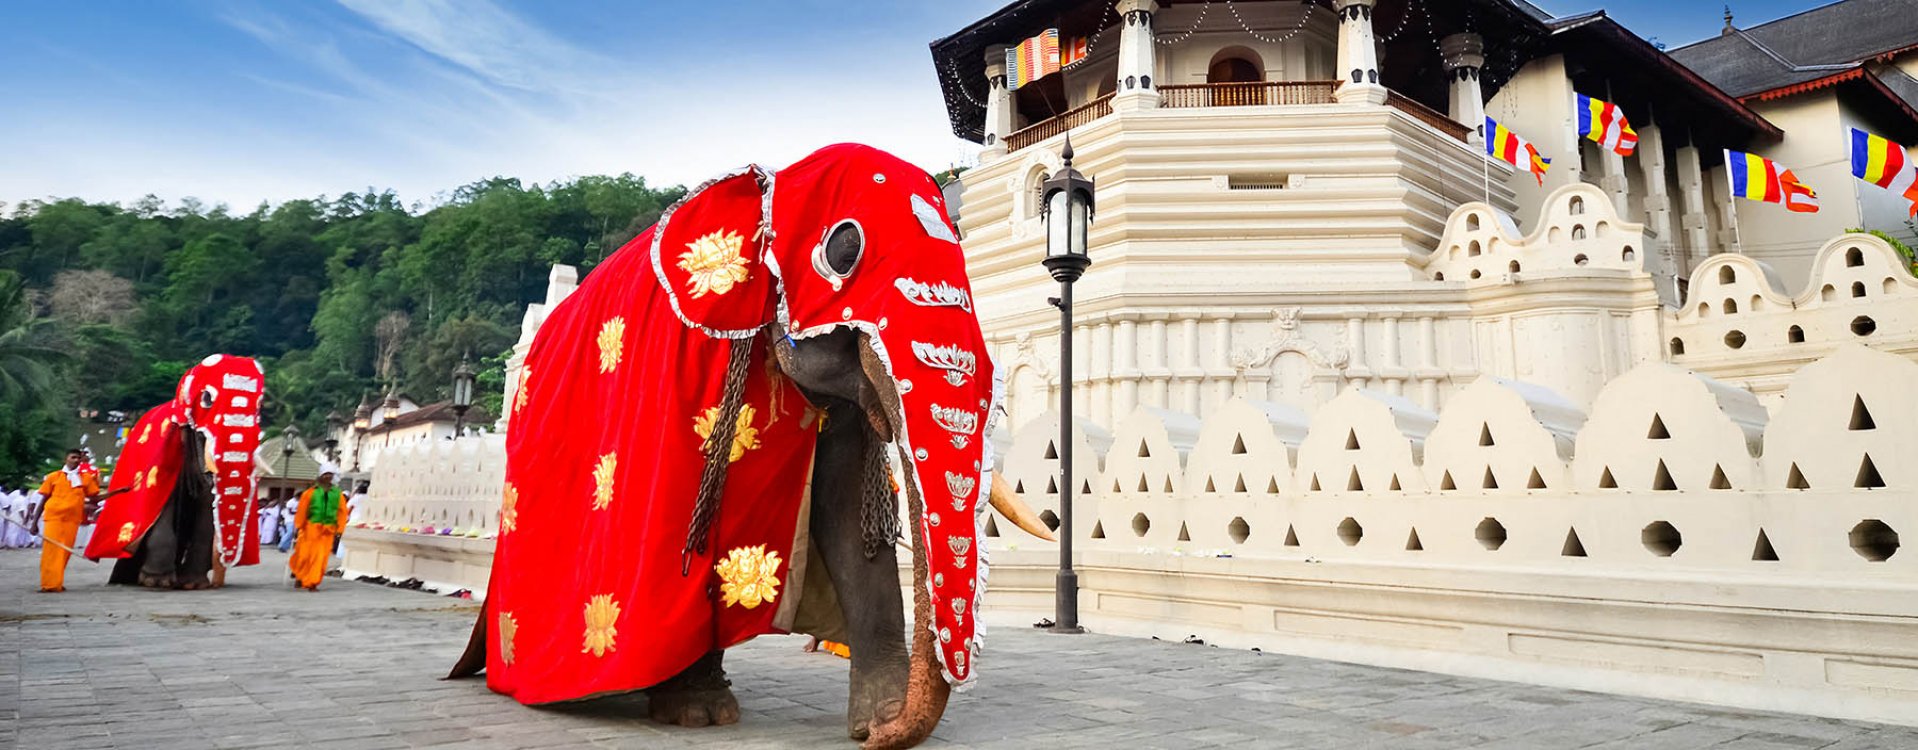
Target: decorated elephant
[(184, 484), (709, 440)]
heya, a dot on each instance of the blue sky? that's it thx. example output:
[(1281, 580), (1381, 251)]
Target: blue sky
[(241, 101)]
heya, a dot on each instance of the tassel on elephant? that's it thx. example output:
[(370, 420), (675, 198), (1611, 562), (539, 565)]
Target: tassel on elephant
[(705, 443)]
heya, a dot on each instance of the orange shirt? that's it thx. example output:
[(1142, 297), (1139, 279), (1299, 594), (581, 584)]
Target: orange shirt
[(64, 499)]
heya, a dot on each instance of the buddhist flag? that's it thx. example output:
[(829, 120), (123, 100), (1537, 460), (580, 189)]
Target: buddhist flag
[(1883, 163), (1518, 152), (1032, 60), (1757, 178), (1604, 123), (1074, 50)]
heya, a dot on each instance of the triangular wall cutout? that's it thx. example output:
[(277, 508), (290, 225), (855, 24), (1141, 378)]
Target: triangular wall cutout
[(1019, 487), (1536, 482), (1868, 477), (1491, 482), (1605, 480), (1142, 487), (1658, 431), (1762, 550), (1351, 440), (1484, 435), (1143, 453), (1168, 485), (1115, 485), (1315, 482), (1208, 485), (1861, 416), (1395, 484), (1052, 451), (1085, 487), (1412, 543), (1662, 479), (1238, 483), (1271, 485), (1795, 479), (1354, 484), (1052, 486), (1238, 445), (1291, 537), (992, 526), (1184, 535), (1098, 530), (1446, 483), (1573, 547), (1719, 481)]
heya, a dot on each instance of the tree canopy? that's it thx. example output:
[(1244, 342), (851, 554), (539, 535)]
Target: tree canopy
[(104, 306)]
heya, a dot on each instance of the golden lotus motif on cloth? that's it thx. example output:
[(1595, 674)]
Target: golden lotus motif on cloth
[(526, 376), (145, 432), (126, 532), (509, 509), (745, 436), (153, 477), (714, 263), (603, 481), (749, 576), (601, 614), (507, 627), (612, 344)]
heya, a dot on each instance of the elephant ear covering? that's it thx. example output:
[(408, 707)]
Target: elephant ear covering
[(220, 397), (594, 589)]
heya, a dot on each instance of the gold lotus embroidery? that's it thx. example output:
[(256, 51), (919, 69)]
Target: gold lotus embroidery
[(526, 376), (126, 533), (612, 343), (745, 436), (507, 627), (153, 477), (714, 263), (749, 576), (145, 432), (509, 510), (603, 481), (601, 615)]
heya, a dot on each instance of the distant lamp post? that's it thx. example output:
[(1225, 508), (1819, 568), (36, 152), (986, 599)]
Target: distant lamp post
[(287, 435), (1067, 211), (362, 421), (462, 395), (335, 424), (390, 409)]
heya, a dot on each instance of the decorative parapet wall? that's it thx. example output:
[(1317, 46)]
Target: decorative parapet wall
[(1579, 230), (1738, 323)]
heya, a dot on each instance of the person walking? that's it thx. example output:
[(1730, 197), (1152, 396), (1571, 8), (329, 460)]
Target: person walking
[(320, 519), (66, 493), (288, 509)]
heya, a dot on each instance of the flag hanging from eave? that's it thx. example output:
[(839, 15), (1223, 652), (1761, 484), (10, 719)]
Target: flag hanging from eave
[(1604, 123), (1757, 178), (1505, 145), (1074, 50), (1884, 163), (1032, 59)]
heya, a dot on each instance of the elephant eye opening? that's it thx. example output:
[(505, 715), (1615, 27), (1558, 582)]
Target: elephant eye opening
[(206, 398), (838, 254)]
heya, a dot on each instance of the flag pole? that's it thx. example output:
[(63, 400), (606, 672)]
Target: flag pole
[(1485, 161), (1731, 195)]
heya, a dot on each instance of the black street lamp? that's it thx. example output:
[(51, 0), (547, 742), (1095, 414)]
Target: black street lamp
[(362, 421), (1067, 211), (390, 409), (288, 434), (462, 395), (334, 425)]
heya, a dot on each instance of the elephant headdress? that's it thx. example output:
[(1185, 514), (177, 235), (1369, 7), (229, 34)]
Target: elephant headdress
[(219, 401), (658, 460)]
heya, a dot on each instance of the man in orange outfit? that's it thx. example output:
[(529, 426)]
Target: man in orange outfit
[(321, 518), (66, 494)]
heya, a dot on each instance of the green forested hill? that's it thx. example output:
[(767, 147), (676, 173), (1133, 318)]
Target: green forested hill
[(103, 306)]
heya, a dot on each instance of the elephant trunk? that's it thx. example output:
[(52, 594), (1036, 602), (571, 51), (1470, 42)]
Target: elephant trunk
[(926, 688)]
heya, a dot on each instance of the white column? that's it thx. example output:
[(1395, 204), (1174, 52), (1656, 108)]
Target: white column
[(1188, 372), (1158, 372), (1614, 181), (1389, 369), (1102, 360), (1221, 365), (1125, 345), (1658, 201), (1358, 53), (1355, 369), (1136, 88), (1691, 188), (998, 103), (1429, 373), (1464, 57)]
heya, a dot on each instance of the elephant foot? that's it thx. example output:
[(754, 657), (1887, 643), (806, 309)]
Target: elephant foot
[(194, 584), (163, 582), (699, 696), (860, 727)]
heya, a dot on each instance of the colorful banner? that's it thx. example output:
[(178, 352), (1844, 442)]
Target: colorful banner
[(1757, 178), (1604, 123), (1885, 164), (1032, 59), (1506, 146)]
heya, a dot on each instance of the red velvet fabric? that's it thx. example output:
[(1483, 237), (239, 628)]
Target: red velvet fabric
[(590, 592), (220, 397)]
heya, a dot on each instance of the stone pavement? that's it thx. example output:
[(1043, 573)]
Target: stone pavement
[(356, 666)]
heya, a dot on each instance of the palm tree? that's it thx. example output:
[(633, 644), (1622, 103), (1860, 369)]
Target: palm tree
[(28, 366)]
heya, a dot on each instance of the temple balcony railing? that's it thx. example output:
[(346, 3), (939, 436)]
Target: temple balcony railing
[(1212, 95)]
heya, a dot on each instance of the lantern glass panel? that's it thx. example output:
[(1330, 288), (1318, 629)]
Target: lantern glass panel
[(1058, 243)]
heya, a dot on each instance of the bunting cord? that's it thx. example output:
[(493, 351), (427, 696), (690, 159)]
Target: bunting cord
[(719, 449)]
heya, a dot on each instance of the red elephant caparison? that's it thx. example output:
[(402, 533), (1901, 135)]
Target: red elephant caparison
[(593, 589), (219, 401)]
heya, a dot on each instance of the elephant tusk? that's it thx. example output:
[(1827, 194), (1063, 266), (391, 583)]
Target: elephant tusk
[(1015, 510)]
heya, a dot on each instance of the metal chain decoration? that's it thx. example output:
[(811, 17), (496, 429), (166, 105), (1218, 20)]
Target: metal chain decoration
[(1303, 19), (1187, 34), (712, 480), (878, 505)]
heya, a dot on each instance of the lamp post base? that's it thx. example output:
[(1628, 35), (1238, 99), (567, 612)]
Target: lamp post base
[(1066, 618)]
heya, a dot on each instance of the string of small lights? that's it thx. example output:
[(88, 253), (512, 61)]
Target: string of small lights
[(1187, 34), (1093, 43), (1304, 18), (1410, 6)]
